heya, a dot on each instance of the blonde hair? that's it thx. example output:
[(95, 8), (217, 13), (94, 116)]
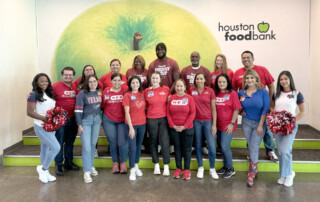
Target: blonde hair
[(224, 64), (255, 75)]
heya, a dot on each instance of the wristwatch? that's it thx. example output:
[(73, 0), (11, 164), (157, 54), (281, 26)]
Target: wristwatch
[(232, 123)]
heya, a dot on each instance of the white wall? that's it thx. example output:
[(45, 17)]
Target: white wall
[(18, 64), (314, 73)]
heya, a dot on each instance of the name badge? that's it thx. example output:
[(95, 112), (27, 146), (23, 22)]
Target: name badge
[(214, 76), (106, 97), (194, 93), (133, 97), (185, 100), (226, 97), (242, 98), (150, 94)]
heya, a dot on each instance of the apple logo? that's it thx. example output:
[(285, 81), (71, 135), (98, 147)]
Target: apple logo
[(263, 27), (124, 29)]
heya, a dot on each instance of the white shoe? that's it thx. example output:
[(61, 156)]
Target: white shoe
[(281, 180), (200, 172), (171, 149), (166, 171), (213, 173), (42, 174), (289, 179), (138, 171), (132, 176), (205, 150), (96, 153), (157, 169), (94, 172), (50, 177), (87, 178)]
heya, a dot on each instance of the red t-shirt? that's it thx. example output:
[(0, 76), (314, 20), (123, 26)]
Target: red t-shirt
[(65, 96), (214, 75), (181, 111), (157, 101), (137, 105), (142, 74), (226, 104), (112, 104), (78, 88), (167, 69), (106, 80), (188, 74), (203, 103), (265, 77)]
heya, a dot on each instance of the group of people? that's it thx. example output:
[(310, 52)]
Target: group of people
[(170, 107)]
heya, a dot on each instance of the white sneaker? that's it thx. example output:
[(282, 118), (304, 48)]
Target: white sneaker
[(205, 150), (289, 179), (281, 180), (87, 178), (171, 149), (138, 171), (94, 172), (42, 174), (132, 176), (213, 173), (96, 153), (166, 171), (156, 169), (50, 177), (200, 172)]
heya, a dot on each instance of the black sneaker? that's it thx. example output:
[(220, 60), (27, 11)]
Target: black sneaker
[(59, 170), (228, 173), (71, 166), (221, 171)]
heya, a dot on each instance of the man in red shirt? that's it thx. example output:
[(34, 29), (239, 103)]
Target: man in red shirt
[(167, 67), (188, 73), (267, 80), (65, 94)]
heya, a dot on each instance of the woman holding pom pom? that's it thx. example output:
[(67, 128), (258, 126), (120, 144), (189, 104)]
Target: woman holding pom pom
[(287, 98), (40, 100)]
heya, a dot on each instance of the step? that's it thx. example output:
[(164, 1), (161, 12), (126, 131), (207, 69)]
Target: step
[(304, 160), (306, 138)]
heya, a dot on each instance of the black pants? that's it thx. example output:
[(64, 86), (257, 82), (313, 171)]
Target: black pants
[(158, 130), (182, 142)]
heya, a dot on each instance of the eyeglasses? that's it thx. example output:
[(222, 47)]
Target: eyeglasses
[(67, 75), (88, 70)]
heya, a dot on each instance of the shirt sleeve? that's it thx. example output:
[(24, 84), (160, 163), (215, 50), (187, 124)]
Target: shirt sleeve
[(126, 100), (235, 101), (78, 111), (169, 116), (192, 113), (32, 98), (176, 68), (208, 77), (268, 78), (235, 82), (230, 74), (300, 99), (212, 94), (266, 102)]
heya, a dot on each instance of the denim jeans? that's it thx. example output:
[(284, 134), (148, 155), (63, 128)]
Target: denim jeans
[(224, 140), (117, 138), (284, 145), (158, 130), (204, 127), (182, 142), (49, 146), (249, 128), (268, 139), (89, 138), (66, 135), (135, 143)]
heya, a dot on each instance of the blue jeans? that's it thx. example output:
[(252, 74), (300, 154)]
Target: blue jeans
[(268, 139), (204, 127), (135, 143), (49, 146), (225, 141), (117, 138), (284, 145), (66, 135), (249, 128), (89, 138)]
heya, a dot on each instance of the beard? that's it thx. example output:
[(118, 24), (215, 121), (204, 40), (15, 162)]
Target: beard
[(163, 56)]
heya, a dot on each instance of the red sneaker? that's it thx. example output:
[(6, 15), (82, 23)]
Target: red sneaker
[(177, 173), (186, 174), (123, 168), (115, 168)]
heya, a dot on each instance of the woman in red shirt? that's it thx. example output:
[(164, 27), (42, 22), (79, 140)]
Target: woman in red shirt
[(79, 82), (157, 124), (228, 106), (115, 66), (138, 68), (220, 66), (135, 118), (181, 111), (113, 123)]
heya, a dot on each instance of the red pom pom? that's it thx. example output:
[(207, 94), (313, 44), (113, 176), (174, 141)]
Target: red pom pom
[(57, 117), (281, 122)]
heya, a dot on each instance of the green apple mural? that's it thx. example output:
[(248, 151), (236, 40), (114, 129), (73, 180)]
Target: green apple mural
[(263, 27), (124, 29)]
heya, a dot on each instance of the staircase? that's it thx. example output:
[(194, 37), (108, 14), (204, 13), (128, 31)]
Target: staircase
[(306, 153)]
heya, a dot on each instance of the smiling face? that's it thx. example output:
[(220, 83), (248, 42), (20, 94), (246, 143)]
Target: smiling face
[(115, 67), (247, 60), (88, 71), (200, 80), (251, 80), (195, 59), (219, 63), (180, 88), (67, 76), (93, 83), (155, 80), (161, 53), (285, 82), (137, 64), (135, 85), (116, 82), (43, 82), (222, 83)]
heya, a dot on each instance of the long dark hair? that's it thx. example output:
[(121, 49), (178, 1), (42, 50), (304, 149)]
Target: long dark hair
[(129, 83), (229, 85), (280, 88), (86, 88), (38, 91), (195, 77), (83, 77)]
